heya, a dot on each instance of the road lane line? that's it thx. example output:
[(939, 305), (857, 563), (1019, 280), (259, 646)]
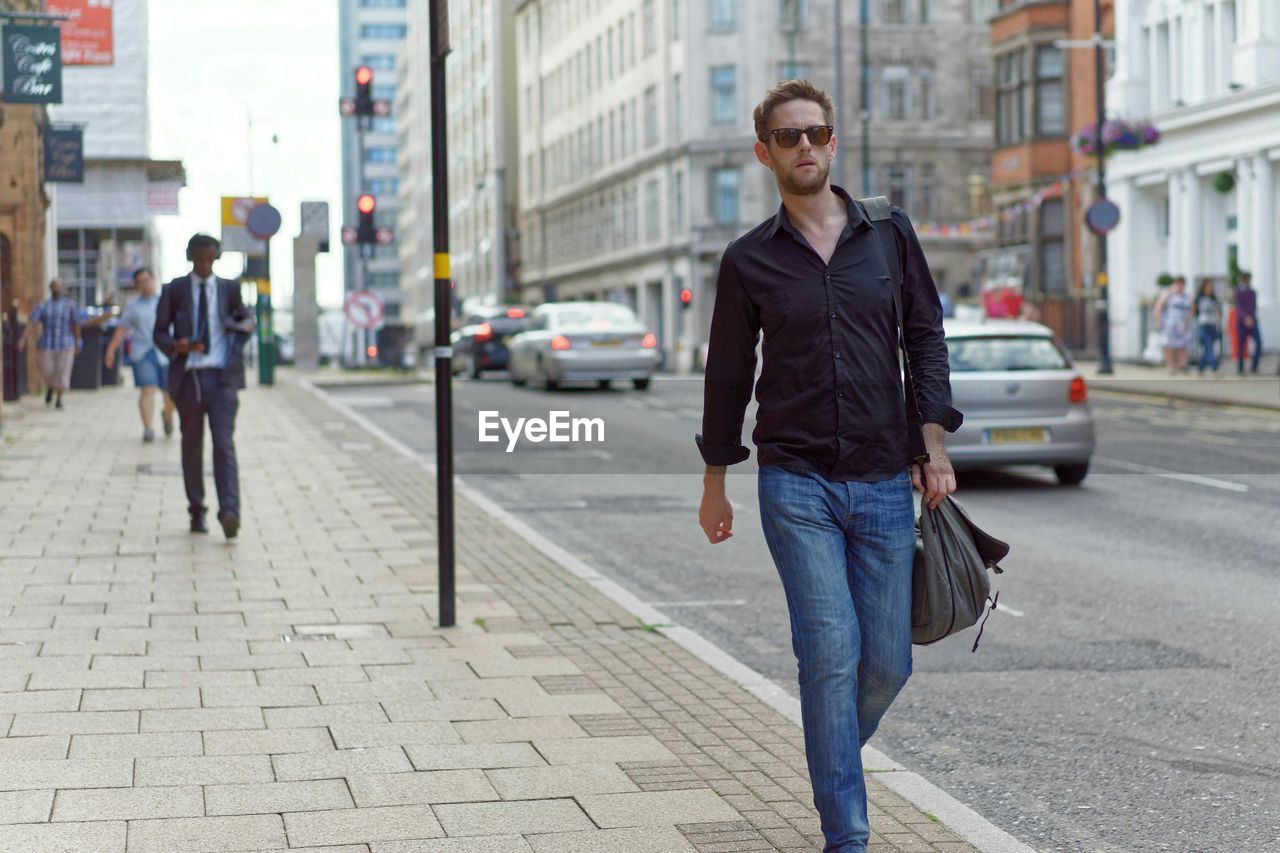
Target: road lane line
[(1173, 475), (1004, 608)]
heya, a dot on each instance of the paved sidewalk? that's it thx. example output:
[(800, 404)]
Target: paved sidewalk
[(162, 691), (1261, 390)]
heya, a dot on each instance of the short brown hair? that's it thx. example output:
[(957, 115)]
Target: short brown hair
[(790, 90)]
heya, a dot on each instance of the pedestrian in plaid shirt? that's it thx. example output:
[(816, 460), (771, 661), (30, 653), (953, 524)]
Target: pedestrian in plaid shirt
[(57, 334)]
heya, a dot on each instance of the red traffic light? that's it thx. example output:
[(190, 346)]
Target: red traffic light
[(364, 75), (366, 203), (686, 296)]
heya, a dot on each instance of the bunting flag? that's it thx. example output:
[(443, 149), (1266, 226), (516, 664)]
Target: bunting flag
[(983, 224)]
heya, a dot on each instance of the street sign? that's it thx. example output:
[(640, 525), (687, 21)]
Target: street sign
[(364, 309), (315, 219), (235, 219), (384, 236), (1103, 216), (263, 221), (32, 64), (349, 235)]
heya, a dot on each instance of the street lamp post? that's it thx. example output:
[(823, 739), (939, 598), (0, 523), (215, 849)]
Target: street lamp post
[(1104, 313), (439, 35), (864, 20)]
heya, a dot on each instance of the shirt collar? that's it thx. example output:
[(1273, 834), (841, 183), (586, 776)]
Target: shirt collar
[(197, 280), (857, 218)]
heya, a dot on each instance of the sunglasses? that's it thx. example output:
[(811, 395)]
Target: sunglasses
[(789, 137)]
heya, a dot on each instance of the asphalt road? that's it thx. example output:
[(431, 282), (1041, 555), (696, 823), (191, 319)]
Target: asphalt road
[(1128, 696)]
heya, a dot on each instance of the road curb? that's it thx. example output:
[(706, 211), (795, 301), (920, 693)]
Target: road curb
[(924, 795), (1205, 399)]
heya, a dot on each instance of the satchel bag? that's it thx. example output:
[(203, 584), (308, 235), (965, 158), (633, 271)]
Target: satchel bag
[(949, 584)]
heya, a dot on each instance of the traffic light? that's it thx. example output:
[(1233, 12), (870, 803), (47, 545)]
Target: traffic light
[(364, 91), (365, 230), (686, 298)]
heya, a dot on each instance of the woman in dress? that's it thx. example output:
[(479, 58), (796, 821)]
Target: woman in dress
[(1173, 318)]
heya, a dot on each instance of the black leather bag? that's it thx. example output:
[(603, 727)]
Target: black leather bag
[(949, 584)]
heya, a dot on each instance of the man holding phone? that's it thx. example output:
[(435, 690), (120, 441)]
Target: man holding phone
[(202, 325)]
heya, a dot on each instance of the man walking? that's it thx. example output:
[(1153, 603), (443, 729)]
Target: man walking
[(138, 324), (201, 325), (831, 429), (1246, 304), (57, 333)]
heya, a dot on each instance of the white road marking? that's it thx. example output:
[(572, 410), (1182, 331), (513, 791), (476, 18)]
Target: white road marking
[(1173, 475), (710, 602), (368, 402), (1004, 608)]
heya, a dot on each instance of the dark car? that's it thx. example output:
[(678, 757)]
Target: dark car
[(482, 344)]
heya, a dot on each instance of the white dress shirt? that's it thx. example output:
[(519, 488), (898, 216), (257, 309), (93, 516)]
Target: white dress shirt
[(217, 354)]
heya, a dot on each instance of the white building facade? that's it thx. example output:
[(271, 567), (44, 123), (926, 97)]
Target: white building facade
[(1204, 200)]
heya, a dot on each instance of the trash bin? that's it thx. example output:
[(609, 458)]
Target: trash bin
[(392, 340), (86, 370)]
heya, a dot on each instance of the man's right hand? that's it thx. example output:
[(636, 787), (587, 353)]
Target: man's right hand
[(109, 359), (716, 513), (182, 346)]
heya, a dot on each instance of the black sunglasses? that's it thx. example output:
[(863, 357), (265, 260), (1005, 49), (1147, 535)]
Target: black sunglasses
[(789, 137)]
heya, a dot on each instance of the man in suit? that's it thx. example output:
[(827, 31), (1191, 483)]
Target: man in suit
[(202, 325)]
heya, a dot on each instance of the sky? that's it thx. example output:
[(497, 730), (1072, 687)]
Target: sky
[(215, 63)]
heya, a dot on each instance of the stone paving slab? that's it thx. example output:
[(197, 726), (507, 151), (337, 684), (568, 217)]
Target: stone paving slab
[(161, 691)]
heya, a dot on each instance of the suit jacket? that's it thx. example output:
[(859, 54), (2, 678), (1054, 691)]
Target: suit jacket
[(174, 321)]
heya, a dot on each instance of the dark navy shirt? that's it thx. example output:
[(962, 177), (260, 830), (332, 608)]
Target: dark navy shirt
[(830, 391)]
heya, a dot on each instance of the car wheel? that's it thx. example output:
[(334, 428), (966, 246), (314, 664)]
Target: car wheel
[(602, 384), (641, 384), (548, 383), (516, 379), (1071, 475)]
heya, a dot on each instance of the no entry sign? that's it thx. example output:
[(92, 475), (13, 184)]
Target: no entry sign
[(364, 309)]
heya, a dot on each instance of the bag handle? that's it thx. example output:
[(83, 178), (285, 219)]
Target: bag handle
[(879, 213)]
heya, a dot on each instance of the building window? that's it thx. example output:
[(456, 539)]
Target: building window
[(893, 11), (723, 15), (1010, 123), (679, 201), (383, 31), (1053, 260), (791, 14), (383, 187), (980, 11), (383, 4), (922, 11), (649, 27), (651, 116), (1051, 102), (677, 106), (384, 124), (724, 203), (622, 129), (724, 94), (380, 154), (379, 61), (675, 20), (896, 91), (652, 222), (384, 92), (927, 106), (982, 95), (898, 182), (927, 206), (793, 70)]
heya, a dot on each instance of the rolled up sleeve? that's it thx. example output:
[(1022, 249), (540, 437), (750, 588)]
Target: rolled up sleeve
[(731, 369), (926, 341)]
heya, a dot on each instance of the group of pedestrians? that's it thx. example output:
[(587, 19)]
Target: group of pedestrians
[(185, 345), (1177, 313)]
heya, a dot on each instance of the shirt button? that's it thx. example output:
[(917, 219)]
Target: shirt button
[(837, 355), (833, 316), (840, 394)]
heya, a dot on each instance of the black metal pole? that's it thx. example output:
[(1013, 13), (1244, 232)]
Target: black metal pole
[(439, 33), (1104, 311), (864, 18), (837, 171)]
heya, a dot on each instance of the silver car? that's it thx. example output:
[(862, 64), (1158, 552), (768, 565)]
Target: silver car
[(1024, 403), (583, 341)]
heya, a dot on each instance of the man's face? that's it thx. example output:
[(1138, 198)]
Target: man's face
[(146, 284), (1179, 286), (202, 259), (803, 169), (55, 288)]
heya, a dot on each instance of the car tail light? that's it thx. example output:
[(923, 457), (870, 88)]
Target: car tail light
[(484, 332), (515, 313), (650, 341), (1079, 393), (560, 342), (372, 351)]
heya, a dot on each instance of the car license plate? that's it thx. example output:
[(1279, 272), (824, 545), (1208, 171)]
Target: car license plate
[(1037, 435), (607, 342)]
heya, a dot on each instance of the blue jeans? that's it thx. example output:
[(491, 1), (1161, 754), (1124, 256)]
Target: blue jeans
[(1208, 347), (844, 552), (1243, 335)]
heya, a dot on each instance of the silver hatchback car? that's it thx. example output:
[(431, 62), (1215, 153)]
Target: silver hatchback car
[(583, 342), (1024, 403)]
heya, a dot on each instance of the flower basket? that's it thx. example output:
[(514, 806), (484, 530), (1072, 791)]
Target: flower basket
[(1117, 135)]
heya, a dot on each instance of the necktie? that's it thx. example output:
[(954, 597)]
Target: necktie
[(203, 333)]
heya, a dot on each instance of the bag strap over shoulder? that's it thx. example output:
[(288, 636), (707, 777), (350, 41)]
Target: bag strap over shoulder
[(880, 213)]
